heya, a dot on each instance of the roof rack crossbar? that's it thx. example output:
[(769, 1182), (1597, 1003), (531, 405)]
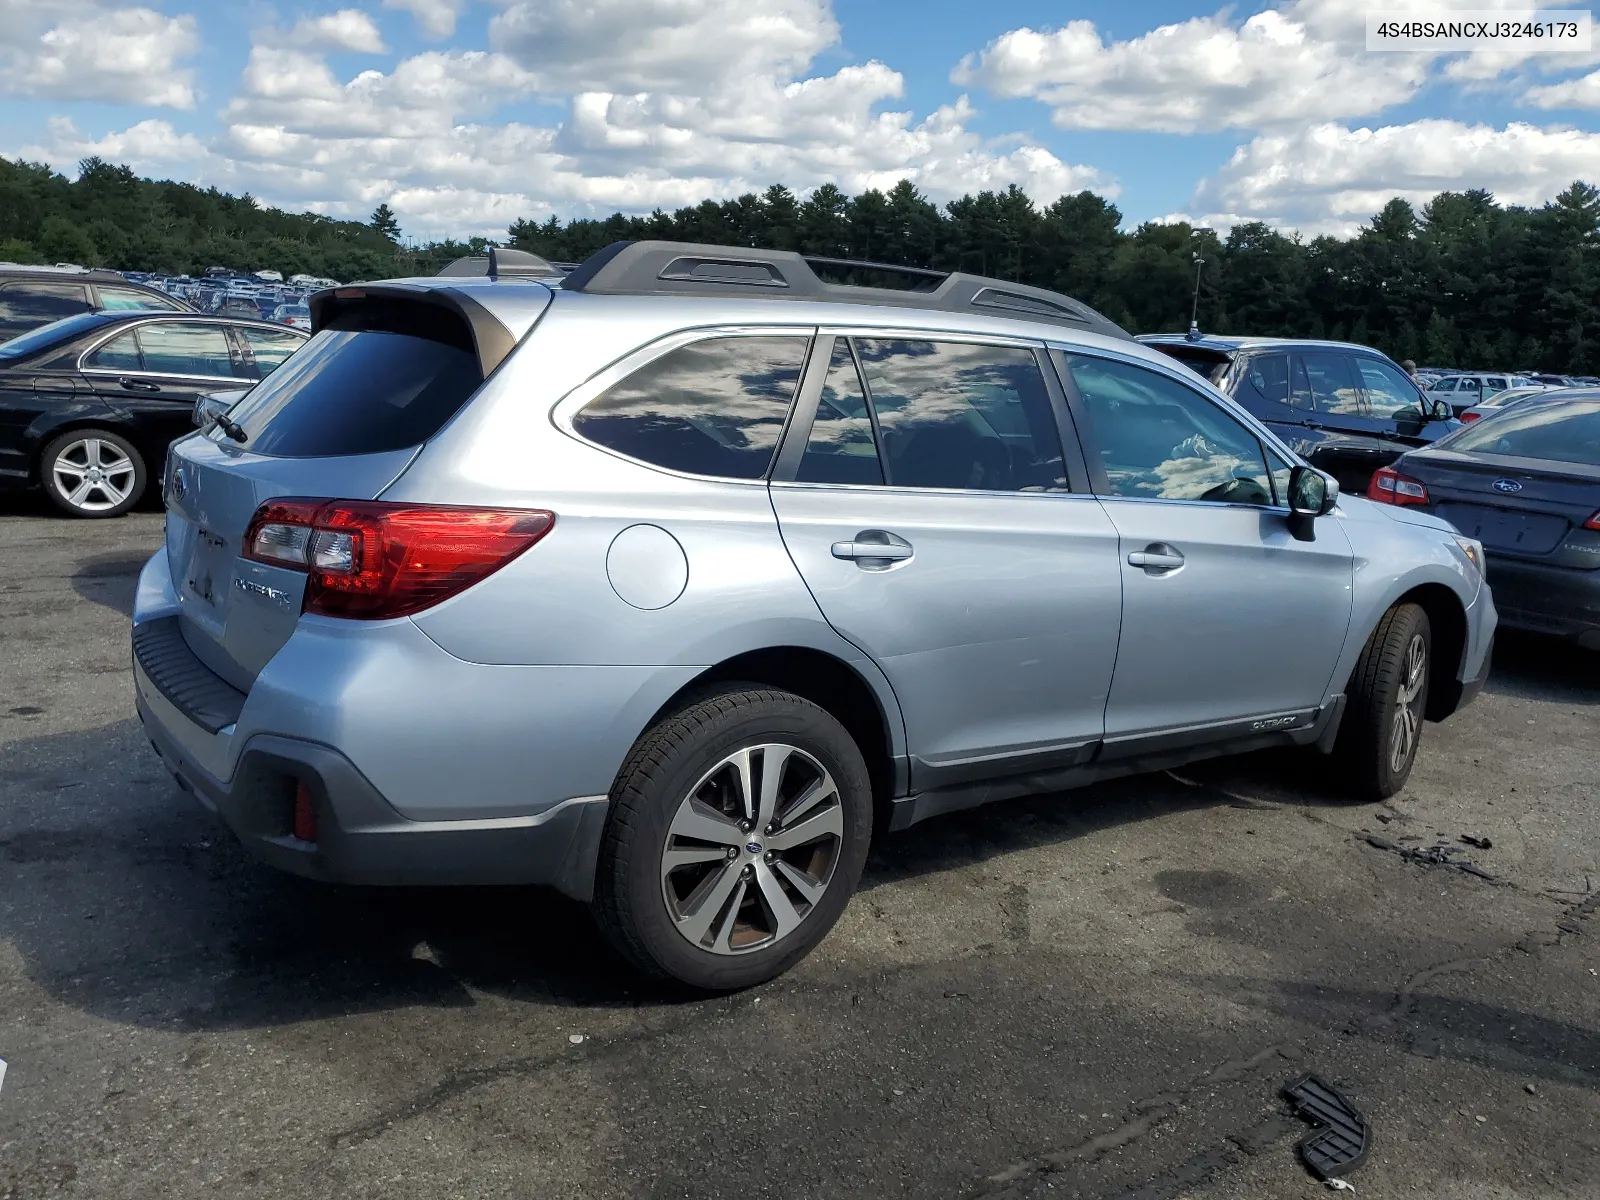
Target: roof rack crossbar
[(657, 268)]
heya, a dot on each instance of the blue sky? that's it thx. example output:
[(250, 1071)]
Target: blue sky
[(466, 114)]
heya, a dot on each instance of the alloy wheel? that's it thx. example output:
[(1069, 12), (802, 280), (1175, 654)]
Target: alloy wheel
[(752, 848), (93, 475), (1408, 705)]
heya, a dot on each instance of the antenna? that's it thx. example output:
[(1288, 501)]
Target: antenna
[(1194, 309)]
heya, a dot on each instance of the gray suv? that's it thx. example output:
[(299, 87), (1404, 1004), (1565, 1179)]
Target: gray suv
[(670, 583)]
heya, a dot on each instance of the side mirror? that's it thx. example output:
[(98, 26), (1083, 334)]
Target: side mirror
[(1311, 495), (1441, 410)]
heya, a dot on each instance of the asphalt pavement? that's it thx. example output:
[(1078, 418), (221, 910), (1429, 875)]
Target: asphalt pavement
[(1092, 995)]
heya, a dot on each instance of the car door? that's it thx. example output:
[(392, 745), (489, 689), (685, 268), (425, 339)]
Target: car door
[(1229, 624), (924, 496), (1394, 401), (153, 372), (1356, 442)]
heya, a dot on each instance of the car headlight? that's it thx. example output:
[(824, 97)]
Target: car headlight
[(1471, 551)]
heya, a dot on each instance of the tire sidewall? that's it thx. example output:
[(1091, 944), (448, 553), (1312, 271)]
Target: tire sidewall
[(1413, 622), (781, 718), (52, 451)]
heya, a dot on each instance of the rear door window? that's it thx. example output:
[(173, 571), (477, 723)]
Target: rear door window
[(957, 415), (843, 447), (181, 348), (1265, 381), (268, 347), (714, 407), (357, 392), (25, 306), (1332, 384)]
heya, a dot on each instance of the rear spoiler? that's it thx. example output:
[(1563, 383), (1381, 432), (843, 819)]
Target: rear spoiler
[(438, 314)]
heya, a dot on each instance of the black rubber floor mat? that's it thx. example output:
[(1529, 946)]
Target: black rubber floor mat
[(1340, 1137)]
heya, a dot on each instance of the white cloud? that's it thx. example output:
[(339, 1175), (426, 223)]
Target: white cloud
[(660, 113), (1301, 61), (1572, 93), (1332, 179), (80, 51), (662, 45), (347, 29), (436, 18)]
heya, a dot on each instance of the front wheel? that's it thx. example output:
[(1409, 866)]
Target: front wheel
[(92, 473), (738, 830), (1385, 704)]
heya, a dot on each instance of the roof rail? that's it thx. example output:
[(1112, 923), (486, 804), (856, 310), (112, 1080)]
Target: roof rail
[(658, 268), (502, 261)]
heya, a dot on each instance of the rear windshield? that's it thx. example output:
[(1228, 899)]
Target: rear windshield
[(1562, 431), (357, 392), (1209, 364)]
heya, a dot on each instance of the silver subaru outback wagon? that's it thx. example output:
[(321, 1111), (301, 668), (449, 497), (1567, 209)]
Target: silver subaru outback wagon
[(669, 582)]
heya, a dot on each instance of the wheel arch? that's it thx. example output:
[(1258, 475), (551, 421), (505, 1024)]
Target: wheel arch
[(867, 709), (1447, 621)]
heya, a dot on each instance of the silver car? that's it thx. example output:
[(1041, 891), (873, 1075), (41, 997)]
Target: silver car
[(672, 583)]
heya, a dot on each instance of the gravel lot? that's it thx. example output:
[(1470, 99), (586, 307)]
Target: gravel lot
[(1097, 995)]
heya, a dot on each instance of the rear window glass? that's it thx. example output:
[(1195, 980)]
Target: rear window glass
[(716, 407), (357, 392), (1562, 431)]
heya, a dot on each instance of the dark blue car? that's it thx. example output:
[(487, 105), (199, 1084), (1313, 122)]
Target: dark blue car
[(1344, 408)]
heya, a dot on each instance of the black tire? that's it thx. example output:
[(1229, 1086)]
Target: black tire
[(89, 449), (653, 787), (1367, 750)]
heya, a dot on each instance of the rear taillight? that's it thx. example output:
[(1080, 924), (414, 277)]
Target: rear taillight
[(1388, 486), (1469, 416), (1593, 522), (372, 560)]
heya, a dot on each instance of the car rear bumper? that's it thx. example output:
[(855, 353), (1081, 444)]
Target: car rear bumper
[(422, 768), (1561, 601)]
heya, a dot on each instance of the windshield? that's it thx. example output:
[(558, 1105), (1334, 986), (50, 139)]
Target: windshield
[(49, 335), (1560, 431)]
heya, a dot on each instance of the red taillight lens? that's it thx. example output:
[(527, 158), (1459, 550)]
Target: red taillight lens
[(373, 560), (1469, 416), (1388, 486), (1593, 522)]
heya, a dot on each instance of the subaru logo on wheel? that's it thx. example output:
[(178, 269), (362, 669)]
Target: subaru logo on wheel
[(753, 847), (1506, 485)]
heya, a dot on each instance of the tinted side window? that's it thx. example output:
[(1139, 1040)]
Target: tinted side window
[(269, 348), (115, 299), (842, 447), (178, 348), (25, 306), (1388, 390), (1160, 440), (953, 415), (716, 407), (1333, 384), (121, 353), (1265, 380), (357, 392)]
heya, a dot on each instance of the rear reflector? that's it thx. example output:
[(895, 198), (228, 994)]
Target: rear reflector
[(1388, 486), (305, 816), (1593, 522), (373, 560)]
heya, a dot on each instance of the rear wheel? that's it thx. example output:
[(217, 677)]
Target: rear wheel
[(92, 473), (738, 830), (1385, 703)]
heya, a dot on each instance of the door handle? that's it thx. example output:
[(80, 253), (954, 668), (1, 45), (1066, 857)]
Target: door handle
[(139, 385), (873, 546), (1156, 558)]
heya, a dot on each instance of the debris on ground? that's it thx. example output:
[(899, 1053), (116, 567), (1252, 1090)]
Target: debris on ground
[(1482, 843), (1440, 854), (575, 1038), (1340, 1137), (1338, 1185), (2, 1072)]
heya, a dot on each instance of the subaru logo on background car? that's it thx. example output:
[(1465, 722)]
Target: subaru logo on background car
[(1506, 485)]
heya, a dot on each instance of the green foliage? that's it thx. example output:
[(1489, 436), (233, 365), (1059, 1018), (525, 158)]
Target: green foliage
[(1462, 281)]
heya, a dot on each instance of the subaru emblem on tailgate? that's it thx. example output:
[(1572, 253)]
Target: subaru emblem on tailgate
[(1506, 485)]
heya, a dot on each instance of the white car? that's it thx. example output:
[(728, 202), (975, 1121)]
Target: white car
[(1467, 391), (296, 315)]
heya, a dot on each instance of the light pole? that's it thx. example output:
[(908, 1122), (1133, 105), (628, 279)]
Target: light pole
[(1194, 308)]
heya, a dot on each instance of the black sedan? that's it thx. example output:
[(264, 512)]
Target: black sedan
[(1525, 483), (89, 404)]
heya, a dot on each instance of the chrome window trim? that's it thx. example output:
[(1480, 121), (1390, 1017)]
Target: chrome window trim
[(1209, 392), (164, 318), (564, 409)]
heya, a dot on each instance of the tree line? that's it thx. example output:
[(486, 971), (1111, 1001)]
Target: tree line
[(1462, 280)]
